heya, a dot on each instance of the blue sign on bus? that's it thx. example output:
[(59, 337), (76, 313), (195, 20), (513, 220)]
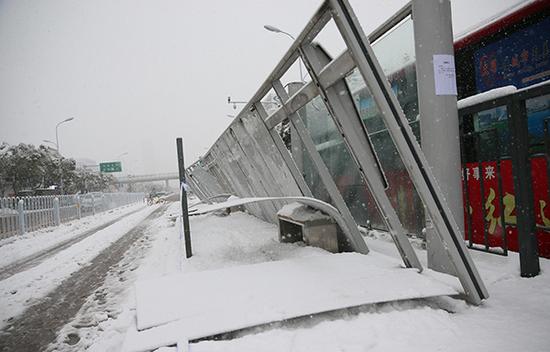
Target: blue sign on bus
[(520, 59)]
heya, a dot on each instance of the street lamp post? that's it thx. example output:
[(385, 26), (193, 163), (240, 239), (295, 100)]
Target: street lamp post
[(277, 30), (57, 131), (58, 152)]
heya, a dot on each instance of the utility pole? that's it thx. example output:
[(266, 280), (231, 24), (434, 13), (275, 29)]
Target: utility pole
[(438, 113), (183, 192)]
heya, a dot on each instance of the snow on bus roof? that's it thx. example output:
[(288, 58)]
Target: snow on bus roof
[(499, 21)]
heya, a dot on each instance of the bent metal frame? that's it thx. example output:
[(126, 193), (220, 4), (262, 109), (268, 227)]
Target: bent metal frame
[(250, 158)]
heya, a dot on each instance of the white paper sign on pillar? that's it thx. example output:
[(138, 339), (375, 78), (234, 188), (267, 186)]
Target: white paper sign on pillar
[(444, 75)]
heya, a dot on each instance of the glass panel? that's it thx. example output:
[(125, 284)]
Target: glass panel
[(538, 110), (400, 190), (334, 152), (395, 52), (395, 49)]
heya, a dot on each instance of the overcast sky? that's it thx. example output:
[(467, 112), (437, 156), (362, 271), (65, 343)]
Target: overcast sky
[(137, 74)]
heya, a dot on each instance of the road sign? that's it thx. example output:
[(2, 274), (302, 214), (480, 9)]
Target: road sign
[(113, 166)]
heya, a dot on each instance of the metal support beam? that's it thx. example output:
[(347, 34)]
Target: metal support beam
[(357, 242), (239, 178), (198, 187), (329, 75), (279, 174), (263, 182), (342, 109), (409, 150), (212, 169), (278, 142)]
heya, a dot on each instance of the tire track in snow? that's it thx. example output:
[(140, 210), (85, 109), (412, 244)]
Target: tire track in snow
[(37, 258), (38, 325)]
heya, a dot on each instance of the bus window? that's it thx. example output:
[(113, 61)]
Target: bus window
[(491, 127), (538, 110)]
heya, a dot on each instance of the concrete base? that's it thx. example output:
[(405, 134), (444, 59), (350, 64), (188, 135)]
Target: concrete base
[(300, 223)]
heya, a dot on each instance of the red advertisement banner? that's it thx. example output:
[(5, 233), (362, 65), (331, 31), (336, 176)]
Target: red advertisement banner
[(498, 203)]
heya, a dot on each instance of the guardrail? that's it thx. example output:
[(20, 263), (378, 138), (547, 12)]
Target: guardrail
[(24, 214), (146, 178)]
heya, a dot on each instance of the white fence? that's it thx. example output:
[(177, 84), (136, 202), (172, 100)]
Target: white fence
[(24, 214)]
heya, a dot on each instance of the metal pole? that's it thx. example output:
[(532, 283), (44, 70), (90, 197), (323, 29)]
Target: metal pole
[(58, 152), (299, 58), (184, 210), (277, 30), (57, 136), (439, 128), (521, 164), (57, 147)]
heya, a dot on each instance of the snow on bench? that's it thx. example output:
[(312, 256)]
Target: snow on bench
[(190, 306)]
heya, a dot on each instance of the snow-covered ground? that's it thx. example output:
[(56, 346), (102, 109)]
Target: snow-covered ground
[(515, 317), (23, 289)]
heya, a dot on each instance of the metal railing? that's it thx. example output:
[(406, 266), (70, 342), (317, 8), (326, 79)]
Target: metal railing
[(24, 214), (506, 205)]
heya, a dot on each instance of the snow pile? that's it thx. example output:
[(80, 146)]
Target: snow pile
[(236, 240), (301, 212), (514, 318), (486, 96)]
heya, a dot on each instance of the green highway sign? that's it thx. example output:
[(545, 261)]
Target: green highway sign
[(113, 166)]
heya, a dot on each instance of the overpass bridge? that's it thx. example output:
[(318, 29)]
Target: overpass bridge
[(131, 179)]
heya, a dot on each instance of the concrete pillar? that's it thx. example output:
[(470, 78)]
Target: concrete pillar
[(439, 128)]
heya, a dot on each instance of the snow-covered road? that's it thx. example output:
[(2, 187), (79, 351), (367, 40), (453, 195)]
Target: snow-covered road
[(515, 317), (39, 300), (17, 248)]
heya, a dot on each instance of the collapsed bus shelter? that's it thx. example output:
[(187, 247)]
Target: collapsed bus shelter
[(250, 159)]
